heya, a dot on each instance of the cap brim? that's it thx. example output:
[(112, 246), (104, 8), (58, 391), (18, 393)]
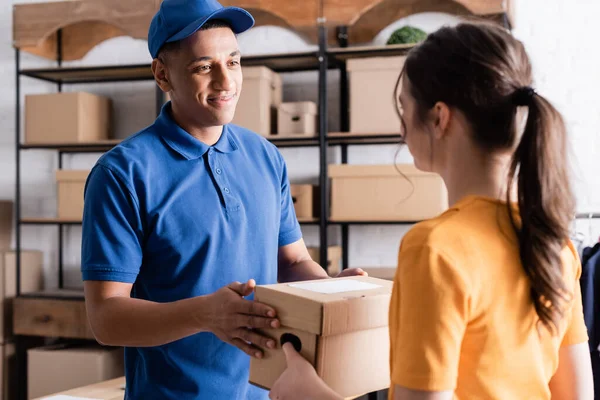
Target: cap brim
[(239, 19)]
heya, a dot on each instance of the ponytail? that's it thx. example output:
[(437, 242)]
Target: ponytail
[(546, 206)]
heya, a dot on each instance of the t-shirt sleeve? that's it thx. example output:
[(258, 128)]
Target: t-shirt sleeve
[(428, 320), (576, 329), (112, 232), (289, 228)]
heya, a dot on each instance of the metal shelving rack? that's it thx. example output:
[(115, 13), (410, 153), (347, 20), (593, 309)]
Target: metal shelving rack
[(321, 61)]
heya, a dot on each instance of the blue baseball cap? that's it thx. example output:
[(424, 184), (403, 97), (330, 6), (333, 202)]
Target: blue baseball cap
[(178, 19)]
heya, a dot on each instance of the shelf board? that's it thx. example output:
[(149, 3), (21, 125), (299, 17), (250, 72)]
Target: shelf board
[(288, 62), (308, 221), (99, 146), (358, 222), (49, 221), (93, 74), (347, 53), (56, 294), (293, 141), (62, 221), (339, 138), (105, 145)]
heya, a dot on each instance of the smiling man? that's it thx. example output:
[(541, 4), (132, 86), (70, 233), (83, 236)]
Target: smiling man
[(180, 213)]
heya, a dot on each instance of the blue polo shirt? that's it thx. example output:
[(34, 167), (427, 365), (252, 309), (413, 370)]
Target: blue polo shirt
[(178, 219)]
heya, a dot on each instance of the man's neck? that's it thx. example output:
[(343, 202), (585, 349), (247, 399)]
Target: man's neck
[(206, 134)]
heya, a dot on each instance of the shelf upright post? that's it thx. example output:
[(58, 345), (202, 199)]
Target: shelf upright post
[(323, 175), (61, 231), (342, 38), (20, 354)]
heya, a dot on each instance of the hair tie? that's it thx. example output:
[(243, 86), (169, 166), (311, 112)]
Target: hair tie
[(523, 96)]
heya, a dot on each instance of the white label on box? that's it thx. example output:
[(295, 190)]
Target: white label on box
[(64, 397), (337, 286)]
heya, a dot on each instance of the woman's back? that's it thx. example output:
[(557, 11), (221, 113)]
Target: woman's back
[(462, 315)]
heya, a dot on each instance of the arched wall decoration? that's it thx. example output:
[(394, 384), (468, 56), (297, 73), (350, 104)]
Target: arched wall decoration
[(366, 18), (86, 23)]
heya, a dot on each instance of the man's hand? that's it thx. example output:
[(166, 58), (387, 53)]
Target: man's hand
[(352, 272), (234, 319), (300, 380)]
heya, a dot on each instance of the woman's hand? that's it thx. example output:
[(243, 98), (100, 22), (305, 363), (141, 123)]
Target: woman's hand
[(300, 380)]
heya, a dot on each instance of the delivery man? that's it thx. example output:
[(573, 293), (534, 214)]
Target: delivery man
[(179, 214)]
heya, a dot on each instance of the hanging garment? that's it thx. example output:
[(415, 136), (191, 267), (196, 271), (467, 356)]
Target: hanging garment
[(590, 294)]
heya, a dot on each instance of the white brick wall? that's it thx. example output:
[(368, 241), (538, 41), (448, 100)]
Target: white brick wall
[(559, 36)]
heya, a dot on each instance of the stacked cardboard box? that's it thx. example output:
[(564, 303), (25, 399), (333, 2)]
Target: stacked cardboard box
[(56, 368), (31, 281)]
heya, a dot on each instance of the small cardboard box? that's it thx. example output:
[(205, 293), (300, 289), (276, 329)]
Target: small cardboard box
[(324, 319), (306, 200), (6, 224), (334, 258), (74, 117), (385, 193), (372, 82), (297, 118), (32, 280), (52, 369), (261, 95), (70, 187)]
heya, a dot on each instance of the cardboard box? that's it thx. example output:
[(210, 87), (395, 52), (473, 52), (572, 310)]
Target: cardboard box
[(306, 200), (324, 319), (6, 224), (8, 371), (297, 118), (385, 193), (257, 106), (106, 390), (334, 258), (32, 280), (75, 117), (372, 82), (387, 273), (70, 187), (52, 369)]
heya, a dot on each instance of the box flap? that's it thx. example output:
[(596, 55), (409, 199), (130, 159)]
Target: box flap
[(330, 306), (349, 170), (71, 175), (257, 72), (299, 107), (376, 63)]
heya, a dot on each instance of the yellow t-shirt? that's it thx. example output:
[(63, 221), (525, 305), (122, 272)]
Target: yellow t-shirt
[(461, 316)]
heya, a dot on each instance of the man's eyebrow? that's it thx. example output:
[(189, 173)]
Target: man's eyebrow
[(198, 59), (207, 58)]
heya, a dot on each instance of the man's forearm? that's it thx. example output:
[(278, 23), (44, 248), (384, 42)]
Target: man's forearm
[(302, 271), (124, 321)]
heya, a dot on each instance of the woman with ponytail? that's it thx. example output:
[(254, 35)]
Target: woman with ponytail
[(486, 301)]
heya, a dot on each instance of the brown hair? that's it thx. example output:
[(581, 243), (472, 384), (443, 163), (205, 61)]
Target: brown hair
[(482, 70)]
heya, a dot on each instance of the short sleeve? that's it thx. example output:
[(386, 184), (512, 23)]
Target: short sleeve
[(576, 329), (112, 232), (289, 228), (428, 319)]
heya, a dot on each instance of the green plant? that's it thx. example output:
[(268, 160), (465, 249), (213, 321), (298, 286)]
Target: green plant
[(407, 34)]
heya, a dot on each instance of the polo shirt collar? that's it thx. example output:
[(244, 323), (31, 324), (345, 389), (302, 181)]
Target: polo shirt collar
[(184, 143)]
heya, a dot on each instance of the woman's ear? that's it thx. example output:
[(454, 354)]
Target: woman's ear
[(441, 115)]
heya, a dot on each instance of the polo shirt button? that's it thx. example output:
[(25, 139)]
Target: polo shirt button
[(210, 151), (218, 171), (226, 190)]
